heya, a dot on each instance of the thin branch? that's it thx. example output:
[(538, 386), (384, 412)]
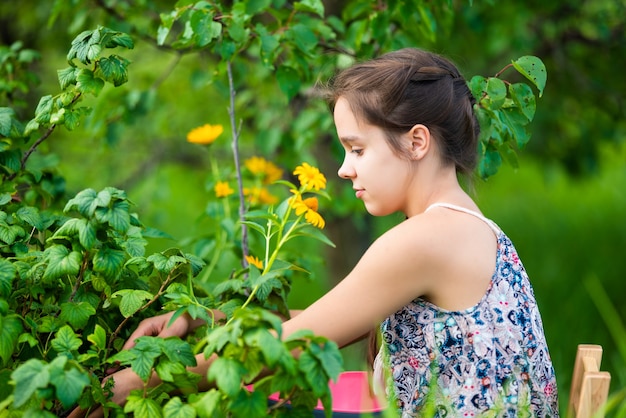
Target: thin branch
[(32, 149), (235, 147)]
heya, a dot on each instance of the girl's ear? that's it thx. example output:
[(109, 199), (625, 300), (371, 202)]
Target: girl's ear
[(420, 141)]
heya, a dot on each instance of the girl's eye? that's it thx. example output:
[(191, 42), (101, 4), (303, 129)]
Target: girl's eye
[(356, 151)]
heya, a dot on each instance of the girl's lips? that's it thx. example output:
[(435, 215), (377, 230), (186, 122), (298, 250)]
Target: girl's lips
[(359, 193)]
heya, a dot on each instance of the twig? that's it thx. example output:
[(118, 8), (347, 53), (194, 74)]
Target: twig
[(145, 306), (31, 150), (235, 147)]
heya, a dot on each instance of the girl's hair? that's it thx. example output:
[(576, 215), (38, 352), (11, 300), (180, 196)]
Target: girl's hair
[(410, 86)]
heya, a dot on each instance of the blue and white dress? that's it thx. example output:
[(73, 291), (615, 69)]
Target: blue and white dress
[(489, 360)]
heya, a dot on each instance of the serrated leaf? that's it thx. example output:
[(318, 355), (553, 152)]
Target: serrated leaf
[(82, 202), (6, 120), (5, 198), (178, 351), (98, 338), (227, 374), (77, 313), (270, 346), (113, 69), (249, 404), (31, 216), (66, 341), (86, 82), (109, 262), (313, 373), (330, 358), (28, 377), (116, 215), (10, 330), (68, 383), (175, 408), (146, 351), (67, 77), (7, 275), (143, 407), (44, 109), (132, 300), (312, 6), (61, 262), (533, 69)]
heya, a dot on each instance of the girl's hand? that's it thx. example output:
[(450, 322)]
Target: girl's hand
[(159, 326), (125, 381)]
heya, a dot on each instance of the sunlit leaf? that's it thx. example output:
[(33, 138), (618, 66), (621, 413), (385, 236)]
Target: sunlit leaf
[(175, 408), (142, 407), (61, 262), (132, 300), (227, 374), (533, 69), (28, 377)]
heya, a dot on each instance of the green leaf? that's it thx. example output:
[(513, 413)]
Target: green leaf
[(83, 202), (179, 351), (533, 69), (116, 215), (167, 20), (304, 38), (113, 69), (205, 29), (270, 346), (10, 330), (98, 338), (86, 234), (288, 80), (61, 262), (7, 275), (31, 216), (255, 6), (496, 92), (9, 233), (206, 403), (146, 351), (175, 408), (109, 262), (142, 407), (169, 371), (7, 116), (249, 404), (330, 357), (68, 383), (227, 374), (88, 83), (77, 313), (28, 377), (114, 39), (313, 373), (5, 198), (44, 109), (132, 300), (312, 6), (524, 98), (67, 77)]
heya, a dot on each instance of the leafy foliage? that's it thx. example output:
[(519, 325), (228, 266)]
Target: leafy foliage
[(74, 277)]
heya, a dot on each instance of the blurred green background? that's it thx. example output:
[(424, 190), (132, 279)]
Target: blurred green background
[(563, 207)]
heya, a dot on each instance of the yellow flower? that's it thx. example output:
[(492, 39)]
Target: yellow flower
[(308, 207), (315, 219), (222, 189), (310, 177), (205, 134), (267, 170), (254, 261), (259, 195)]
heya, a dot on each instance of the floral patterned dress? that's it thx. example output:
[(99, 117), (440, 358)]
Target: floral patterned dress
[(489, 360)]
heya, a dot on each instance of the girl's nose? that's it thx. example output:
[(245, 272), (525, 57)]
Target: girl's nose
[(345, 171)]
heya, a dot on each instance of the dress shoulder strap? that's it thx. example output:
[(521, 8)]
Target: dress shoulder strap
[(496, 229)]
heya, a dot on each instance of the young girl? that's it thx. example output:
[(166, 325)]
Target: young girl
[(461, 331)]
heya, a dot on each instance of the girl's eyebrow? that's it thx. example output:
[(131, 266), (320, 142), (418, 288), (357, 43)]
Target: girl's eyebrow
[(348, 139)]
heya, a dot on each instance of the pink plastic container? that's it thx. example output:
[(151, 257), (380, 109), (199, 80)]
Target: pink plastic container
[(351, 395)]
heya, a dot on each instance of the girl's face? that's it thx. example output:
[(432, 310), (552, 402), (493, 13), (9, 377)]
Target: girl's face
[(379, 176)]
